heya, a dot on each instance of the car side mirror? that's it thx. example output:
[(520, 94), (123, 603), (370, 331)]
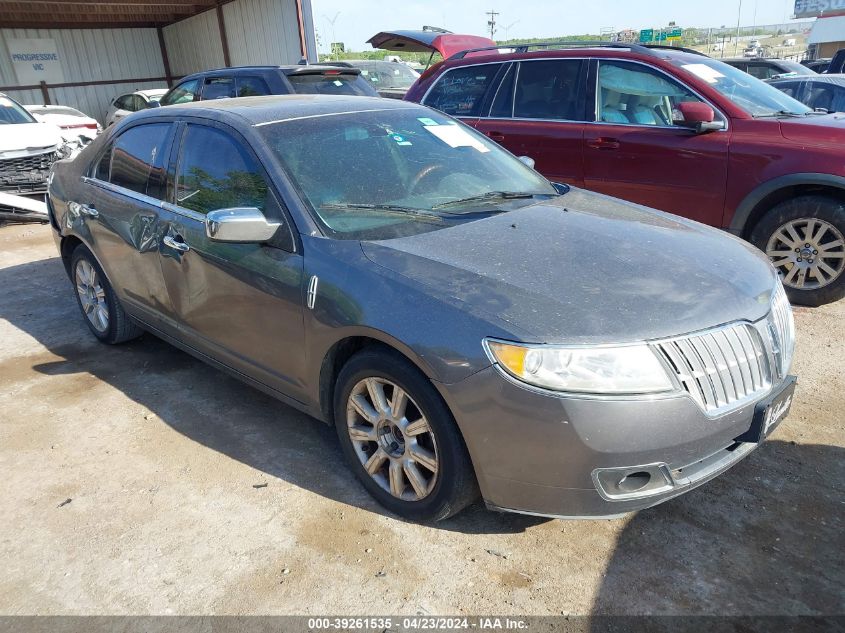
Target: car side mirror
[(527, 160), (239, 224), (153, 104), (699, 117)]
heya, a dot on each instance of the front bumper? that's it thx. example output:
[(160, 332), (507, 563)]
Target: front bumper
[(560, 456)]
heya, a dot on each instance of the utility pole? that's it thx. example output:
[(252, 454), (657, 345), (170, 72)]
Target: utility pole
[(492, 21), (738, 18)]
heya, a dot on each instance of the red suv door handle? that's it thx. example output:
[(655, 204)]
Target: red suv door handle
[(603, 143), (496, 136)]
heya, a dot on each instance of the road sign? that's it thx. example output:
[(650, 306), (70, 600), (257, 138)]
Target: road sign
[(675, 34), (647, 35)]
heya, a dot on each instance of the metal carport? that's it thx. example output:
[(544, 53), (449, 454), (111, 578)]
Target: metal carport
[(82, 54)]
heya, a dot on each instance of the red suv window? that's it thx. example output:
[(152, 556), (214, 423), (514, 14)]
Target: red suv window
[(460, 91)]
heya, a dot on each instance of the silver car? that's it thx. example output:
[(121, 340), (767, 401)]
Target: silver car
[(467, 326)]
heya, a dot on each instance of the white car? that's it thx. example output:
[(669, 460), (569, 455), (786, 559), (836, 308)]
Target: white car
[(72, 122), (125, 104), (28, 149)]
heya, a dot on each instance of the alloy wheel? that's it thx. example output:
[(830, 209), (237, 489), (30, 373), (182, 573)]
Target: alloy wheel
[(808, 253), (92, 295), (392, 439)]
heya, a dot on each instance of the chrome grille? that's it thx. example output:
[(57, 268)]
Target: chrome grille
[(29, 163), (720, 368)]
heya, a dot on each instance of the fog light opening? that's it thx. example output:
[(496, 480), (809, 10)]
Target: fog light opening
[(632, 482)]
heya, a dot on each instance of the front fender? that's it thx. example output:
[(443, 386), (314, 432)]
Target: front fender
[(745, 210)]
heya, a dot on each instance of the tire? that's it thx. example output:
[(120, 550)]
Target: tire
[(97, 301), (428, 495), (812, 267)]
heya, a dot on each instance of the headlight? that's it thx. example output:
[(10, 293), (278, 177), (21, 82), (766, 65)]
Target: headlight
[(782, 325), (629, 369)]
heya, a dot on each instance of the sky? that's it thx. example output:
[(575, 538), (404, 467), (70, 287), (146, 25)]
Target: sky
[(358, 20)]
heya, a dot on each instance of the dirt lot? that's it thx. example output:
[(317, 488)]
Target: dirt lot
[(137, 480)]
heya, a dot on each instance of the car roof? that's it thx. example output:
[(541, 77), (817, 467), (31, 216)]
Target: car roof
[(273, 108)]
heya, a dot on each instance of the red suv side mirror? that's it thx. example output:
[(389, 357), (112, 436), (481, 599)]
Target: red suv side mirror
[(699, 116)]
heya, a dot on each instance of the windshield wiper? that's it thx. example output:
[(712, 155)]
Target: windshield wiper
[(768, 115), (489, 196), (384, 209)]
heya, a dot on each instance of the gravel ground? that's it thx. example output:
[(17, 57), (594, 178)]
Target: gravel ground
[(137, 480)]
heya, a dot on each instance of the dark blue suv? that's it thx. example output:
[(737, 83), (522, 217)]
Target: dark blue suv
[(251, 81)]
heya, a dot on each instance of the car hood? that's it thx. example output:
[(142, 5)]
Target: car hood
[(587, 268), (447, 44), (22, 139), (825, 129)]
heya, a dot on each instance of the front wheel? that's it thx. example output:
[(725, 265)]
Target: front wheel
[(805, 239), (400, 438)]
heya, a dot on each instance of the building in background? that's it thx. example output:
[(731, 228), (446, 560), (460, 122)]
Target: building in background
[(82, 58), (827, 36)]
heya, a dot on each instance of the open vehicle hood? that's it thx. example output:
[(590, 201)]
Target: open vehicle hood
[(587, 269), (23, 139), (447, 44)]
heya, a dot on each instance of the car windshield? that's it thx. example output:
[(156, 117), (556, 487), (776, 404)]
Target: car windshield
[(386, 74), (756, 97), (331, 83), (389, 173), (11, 112)]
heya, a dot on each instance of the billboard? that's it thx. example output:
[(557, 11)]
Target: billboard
[(815, 8)]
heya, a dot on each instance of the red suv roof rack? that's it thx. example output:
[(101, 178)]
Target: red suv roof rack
[(524, 48)]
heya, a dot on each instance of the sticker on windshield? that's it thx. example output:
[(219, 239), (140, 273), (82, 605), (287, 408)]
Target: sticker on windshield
[(703, 71), (400, 140), (427, 121), (456, 136), (337, 82)]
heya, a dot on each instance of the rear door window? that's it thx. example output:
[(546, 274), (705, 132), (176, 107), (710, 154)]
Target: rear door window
[(218, 88), (122, 103), (138, 159), (461, 91), (251, 86), (217, 172), (332, 83), (549, 89)]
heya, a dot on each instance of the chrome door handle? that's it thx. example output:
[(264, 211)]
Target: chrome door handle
[(76, 209), (176, 245)]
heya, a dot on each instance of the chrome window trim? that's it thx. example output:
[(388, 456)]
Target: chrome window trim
[(123, 191), (461, 67), (186, 213), (717, 110)]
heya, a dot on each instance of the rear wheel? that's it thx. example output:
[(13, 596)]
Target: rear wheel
[(400, 438), (805, 239), (100, 306)]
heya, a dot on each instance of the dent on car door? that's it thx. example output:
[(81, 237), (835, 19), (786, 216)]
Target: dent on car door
[(240, 303), (635, 149), (538, 110), (119, 217)]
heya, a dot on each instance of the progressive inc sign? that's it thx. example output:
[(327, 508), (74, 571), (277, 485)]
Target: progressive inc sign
[(36, 60)]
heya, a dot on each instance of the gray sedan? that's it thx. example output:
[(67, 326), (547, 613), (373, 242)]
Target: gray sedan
[(467, 326)]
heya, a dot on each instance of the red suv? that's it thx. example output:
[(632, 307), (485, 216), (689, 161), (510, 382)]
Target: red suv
[(671, 129)]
